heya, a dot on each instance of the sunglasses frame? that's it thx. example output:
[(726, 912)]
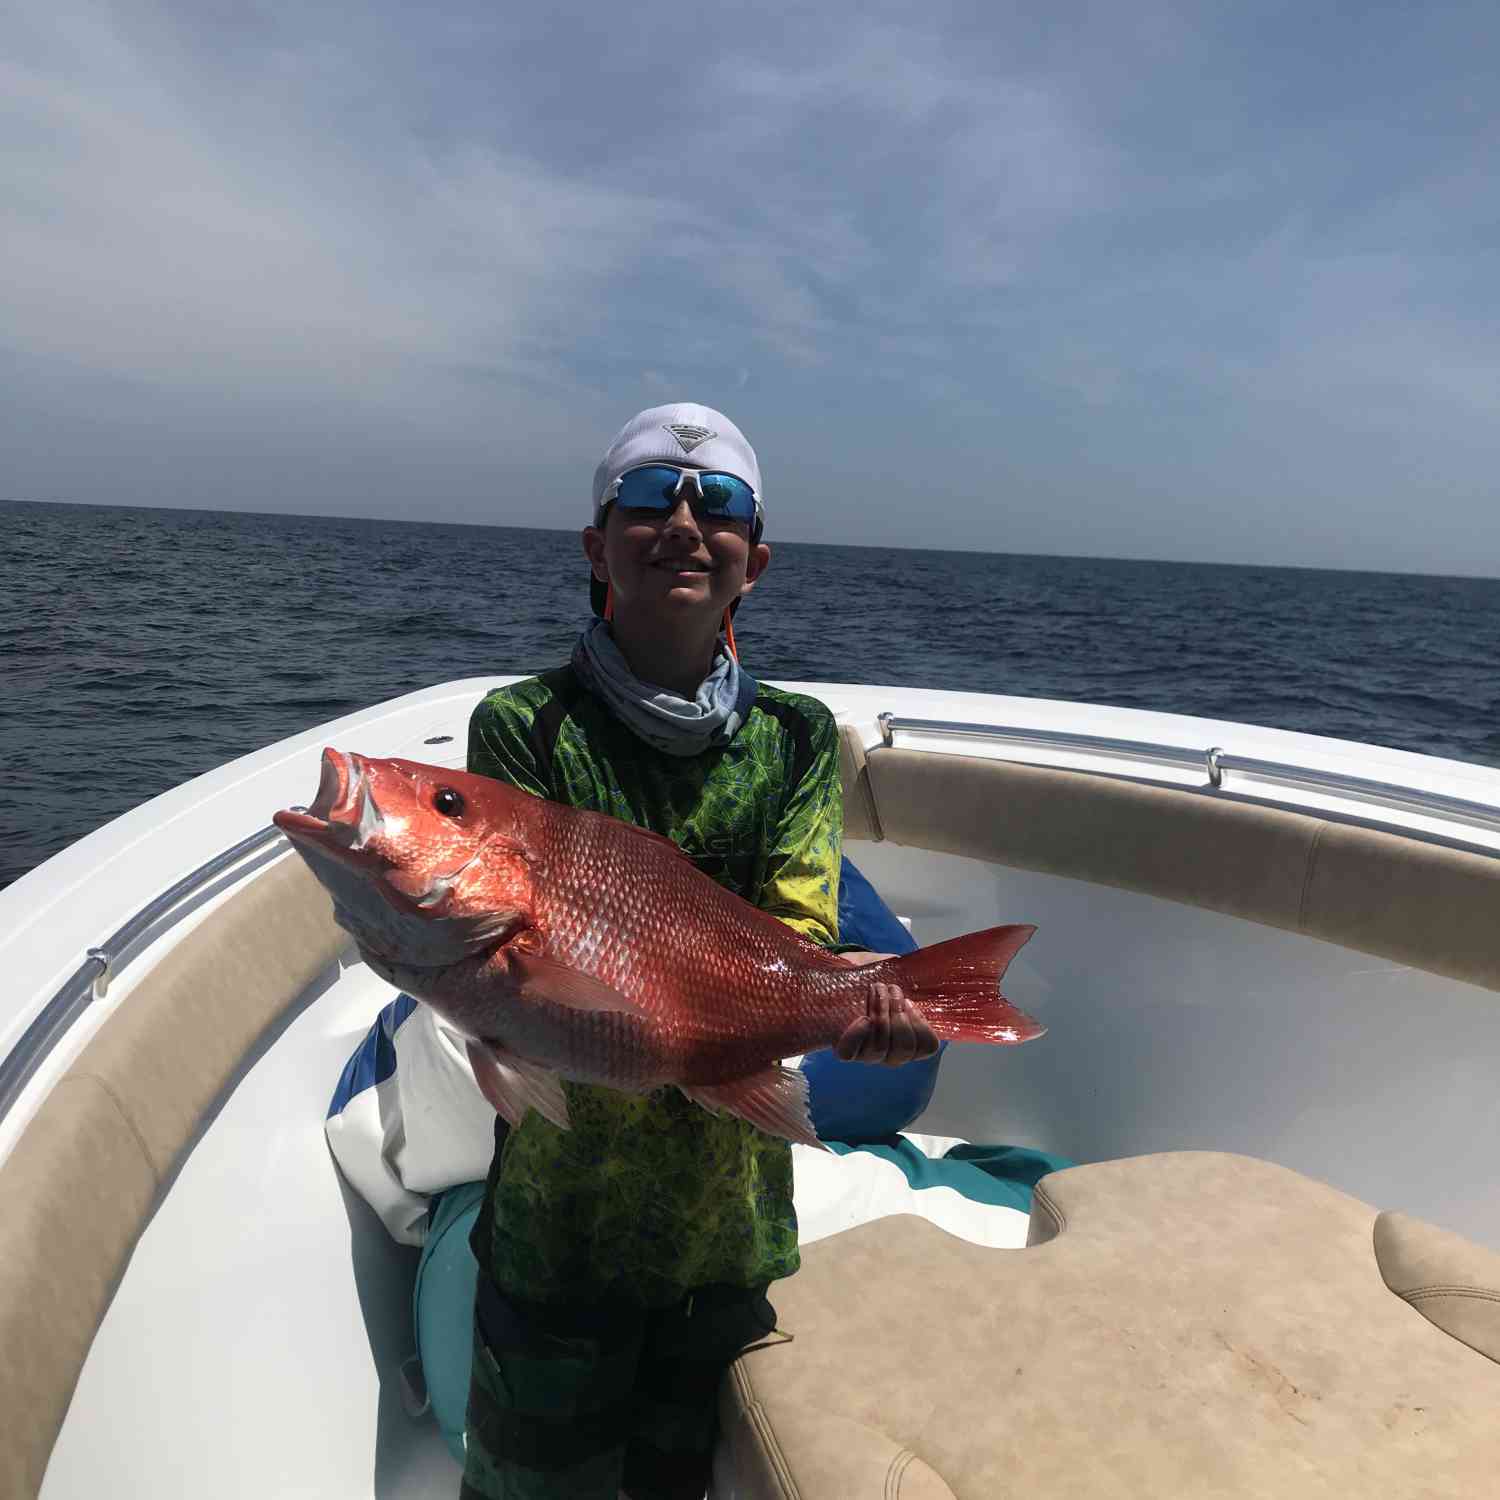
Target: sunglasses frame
[(611, 495)]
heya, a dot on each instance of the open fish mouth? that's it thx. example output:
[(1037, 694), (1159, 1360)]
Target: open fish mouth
[(398, 915), (344, 815), (333, 783)]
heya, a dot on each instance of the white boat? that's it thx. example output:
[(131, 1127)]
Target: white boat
[(1252, 942)]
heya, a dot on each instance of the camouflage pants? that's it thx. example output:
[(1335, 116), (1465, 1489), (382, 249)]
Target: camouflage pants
[(576, 1402)]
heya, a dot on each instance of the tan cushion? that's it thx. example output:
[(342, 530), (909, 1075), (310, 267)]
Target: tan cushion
[(1192, 1324), (860, 818), (1399, 898), (187, 1028), (77, 1189), (1188, 848), (835, 1455), (1448, 1279), (1417, 903), (82, 1182)]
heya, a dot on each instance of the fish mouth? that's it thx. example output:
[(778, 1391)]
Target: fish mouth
[(344, 815), (402, 920), (344, 818)]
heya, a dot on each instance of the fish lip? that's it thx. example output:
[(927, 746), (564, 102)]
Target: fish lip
[(306, 828), (333, 784), (343, 785), (299, 823), (344, 815)]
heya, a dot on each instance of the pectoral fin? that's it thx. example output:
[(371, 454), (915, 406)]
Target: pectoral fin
[(541, 978), (774, 1100), (513, 1085)]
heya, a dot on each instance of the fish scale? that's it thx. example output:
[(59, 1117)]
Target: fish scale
[(567, 944)]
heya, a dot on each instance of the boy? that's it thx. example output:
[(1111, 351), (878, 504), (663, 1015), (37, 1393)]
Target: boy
[(624, 1263)]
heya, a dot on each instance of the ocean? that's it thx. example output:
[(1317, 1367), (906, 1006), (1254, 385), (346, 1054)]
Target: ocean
[(141, 647)]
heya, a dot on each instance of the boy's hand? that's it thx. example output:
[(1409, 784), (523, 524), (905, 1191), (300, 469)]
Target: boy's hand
[(891, 1031)]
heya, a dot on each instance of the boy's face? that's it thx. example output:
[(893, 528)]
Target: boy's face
[(675, 567)]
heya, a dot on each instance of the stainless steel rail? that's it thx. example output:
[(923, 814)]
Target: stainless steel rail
[(91, 979), (1213, 763), (1051, 739)]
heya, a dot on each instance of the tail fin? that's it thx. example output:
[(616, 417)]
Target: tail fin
[(956, 986)]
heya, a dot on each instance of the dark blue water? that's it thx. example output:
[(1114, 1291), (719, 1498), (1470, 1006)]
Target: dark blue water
[(141, 647)]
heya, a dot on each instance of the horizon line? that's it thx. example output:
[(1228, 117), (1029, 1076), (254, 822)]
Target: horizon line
[(1169, 562)]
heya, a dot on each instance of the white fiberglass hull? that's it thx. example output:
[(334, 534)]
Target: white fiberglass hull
[(254, 1340)]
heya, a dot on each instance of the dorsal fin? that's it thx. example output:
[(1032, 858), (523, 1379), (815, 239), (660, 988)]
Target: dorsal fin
[(645, 834)]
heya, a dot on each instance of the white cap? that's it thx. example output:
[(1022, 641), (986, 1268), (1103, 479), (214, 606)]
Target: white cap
[(686, 434)]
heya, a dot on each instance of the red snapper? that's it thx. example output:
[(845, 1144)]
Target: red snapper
[(567, 944)]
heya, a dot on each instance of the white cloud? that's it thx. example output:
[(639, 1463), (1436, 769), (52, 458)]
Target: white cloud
[(467, 240), (176, 249), (176, 242)]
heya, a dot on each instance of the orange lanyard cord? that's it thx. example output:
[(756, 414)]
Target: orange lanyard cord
[(609, 614)]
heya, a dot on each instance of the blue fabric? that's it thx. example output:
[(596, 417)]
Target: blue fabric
[(854, 1101), (374, 1060), (443, 1308), (865, 919)]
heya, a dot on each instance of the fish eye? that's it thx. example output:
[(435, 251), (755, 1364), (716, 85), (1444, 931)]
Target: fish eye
[(448, 802)]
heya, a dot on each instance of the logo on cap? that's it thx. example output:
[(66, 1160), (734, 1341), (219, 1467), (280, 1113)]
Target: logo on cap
[(688, 436)]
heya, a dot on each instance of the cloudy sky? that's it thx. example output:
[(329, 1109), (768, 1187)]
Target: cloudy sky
[(1205, 281)]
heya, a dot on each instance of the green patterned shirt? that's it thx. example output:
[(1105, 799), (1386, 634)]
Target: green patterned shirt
[(649, 1196)]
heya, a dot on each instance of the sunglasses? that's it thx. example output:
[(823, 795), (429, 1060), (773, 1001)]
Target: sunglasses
[(656, 489)]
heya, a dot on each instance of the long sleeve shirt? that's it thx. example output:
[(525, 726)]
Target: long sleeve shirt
[(648, 1195)]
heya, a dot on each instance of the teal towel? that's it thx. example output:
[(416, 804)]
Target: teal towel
[(1001, 1175)]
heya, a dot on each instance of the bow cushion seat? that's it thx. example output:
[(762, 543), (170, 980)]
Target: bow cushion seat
[(1187, 1324)]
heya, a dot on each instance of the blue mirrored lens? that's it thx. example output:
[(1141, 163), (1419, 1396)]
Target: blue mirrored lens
[(648, 489), (724, 495), (654, 488)]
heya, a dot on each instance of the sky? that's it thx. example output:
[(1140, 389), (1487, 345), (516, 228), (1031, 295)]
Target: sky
[(1214, 282)]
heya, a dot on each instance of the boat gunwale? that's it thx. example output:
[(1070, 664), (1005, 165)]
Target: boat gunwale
[(70, 1001)]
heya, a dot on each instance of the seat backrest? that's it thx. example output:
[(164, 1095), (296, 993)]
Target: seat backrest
[(1415, 902), (84, 1179)]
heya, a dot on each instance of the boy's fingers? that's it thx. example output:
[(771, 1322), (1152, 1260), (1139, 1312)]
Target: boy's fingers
[(849, 1046), (903, 1036), (926, 1037), (877, 1048), (891, 1031)]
